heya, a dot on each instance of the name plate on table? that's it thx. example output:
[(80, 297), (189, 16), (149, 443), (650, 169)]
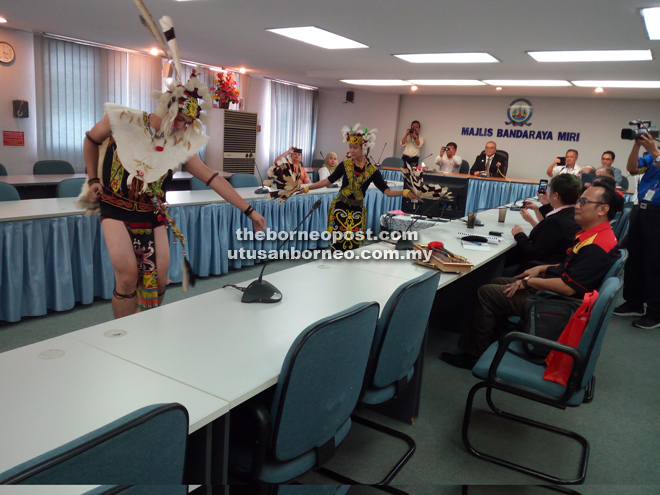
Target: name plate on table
[(445, 262), (490, 238)]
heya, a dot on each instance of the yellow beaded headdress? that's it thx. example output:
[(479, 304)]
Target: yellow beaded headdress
[(356, 135), (186, 96)]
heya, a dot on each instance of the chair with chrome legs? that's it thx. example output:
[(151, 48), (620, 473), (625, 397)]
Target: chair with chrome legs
[(310, 414), (509, 372), (395, 350)]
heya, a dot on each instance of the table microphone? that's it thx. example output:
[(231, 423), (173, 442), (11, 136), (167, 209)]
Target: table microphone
[(406, 244), (381, 155), (261, 189), (265, 292)]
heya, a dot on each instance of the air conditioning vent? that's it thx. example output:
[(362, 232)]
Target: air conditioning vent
[(233, 141)]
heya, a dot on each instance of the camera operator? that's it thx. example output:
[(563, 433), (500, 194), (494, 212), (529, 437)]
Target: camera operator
[(564, 165), (448, 160), (412, 143), (642, 273)]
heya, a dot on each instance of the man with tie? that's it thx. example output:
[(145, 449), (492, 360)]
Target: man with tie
[(490, 162)]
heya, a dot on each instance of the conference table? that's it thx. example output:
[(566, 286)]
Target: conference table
[(59, 389), (31, 186), (52, 255), (210, 353), (483, 192)]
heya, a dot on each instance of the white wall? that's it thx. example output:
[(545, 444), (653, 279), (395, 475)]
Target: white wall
[(258, 101), (17, 83), (599, 122), (373, 110)]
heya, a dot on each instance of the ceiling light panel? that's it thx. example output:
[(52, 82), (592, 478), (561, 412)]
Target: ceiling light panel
[(376, 82), (448, 58), (525, 82), (652, 21), (592, 56), (447, 82), (318, 37), (618, 84)]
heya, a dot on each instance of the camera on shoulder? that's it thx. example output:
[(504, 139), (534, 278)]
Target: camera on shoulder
[(641, 127)]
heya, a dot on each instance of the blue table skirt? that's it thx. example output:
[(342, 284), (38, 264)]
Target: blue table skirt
[(52, 263)]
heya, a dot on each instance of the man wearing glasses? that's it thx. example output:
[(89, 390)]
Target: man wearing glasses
[(583, 270), (641, 281)]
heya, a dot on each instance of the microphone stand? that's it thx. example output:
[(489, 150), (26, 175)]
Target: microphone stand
[(265, 292), (381, 155), (406, 244), (261, 189)]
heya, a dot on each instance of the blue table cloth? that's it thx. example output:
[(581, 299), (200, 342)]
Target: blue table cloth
[(53, 263)]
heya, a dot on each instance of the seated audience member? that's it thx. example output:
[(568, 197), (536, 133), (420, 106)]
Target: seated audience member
[(490, 162), (294, 157), (570, 167), (587, 169), (329, 166), (607, 161), (551, 238), (603, 172), (448, 161), (583, 270)]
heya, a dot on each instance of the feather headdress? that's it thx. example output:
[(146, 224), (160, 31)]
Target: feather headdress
[(356, 135), (413, 180), (179, 97)]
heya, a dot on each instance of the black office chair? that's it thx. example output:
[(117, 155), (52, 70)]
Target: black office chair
[(392, 161), (8, 192), (465, 168), (317, 163), (3, 170), (624, 183)]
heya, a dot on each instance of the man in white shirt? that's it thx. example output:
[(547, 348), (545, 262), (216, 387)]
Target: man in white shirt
[(569, 167), (412, 143), (450, 162)]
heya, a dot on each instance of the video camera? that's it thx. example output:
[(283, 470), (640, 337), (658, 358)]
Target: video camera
[(642, 127)]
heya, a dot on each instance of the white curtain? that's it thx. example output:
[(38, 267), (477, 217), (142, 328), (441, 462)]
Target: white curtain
[(292, 120), (73, 82)]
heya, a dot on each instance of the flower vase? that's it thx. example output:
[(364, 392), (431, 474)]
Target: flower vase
[(223, 104)]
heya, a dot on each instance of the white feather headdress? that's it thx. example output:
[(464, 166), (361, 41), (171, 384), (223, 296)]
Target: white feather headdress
[(356, 135)]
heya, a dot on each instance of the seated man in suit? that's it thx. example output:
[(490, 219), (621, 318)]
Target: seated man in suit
[(549, 240), (490, 162), (582, 270)]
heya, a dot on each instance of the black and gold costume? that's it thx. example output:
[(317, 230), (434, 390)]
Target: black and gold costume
[(347, 212)]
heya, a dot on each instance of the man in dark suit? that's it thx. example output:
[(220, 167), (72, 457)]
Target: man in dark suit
[(490, 161)]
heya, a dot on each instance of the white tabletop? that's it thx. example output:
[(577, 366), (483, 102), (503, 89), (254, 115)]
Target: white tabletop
[(30, 209), (233, 350), (49, 402), (38, 180)]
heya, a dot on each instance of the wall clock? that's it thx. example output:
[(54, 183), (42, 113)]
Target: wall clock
[(7, 53)]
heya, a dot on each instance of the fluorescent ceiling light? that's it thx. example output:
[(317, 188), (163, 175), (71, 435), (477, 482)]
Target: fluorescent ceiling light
[(376, 82), (618, 84), (525, 82), (652, 21), (592, 56), (318, 37), (447, 82), (448, 58)]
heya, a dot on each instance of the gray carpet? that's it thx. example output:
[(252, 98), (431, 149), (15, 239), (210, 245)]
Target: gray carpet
[(621, 423)]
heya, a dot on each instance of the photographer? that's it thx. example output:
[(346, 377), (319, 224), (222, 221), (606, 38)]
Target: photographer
[(642, 273), (412, 143), (450, 162), (564, 165)]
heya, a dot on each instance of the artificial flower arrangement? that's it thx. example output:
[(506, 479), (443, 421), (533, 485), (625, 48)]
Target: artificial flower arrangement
[(224, 88)]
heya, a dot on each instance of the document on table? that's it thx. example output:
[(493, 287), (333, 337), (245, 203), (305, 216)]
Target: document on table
[(476, 246)]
